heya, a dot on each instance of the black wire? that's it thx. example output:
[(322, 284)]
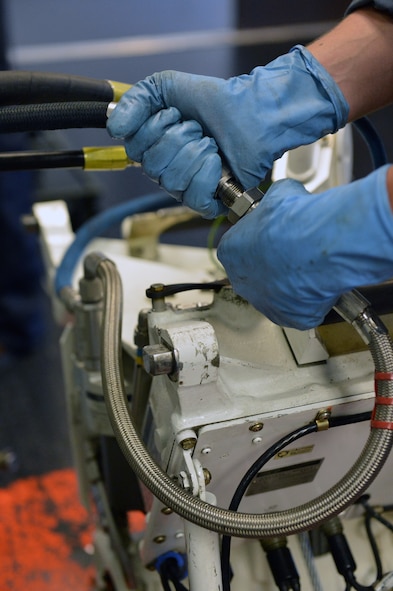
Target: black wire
[(257, 466), (169, 572), (374, 514), (245, 482), (373, 545), (349, 419), (165, 583), (350, 578), (264, 458)]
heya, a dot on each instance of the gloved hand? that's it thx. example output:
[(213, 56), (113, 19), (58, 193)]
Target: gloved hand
[(296, 253), (252, 120)]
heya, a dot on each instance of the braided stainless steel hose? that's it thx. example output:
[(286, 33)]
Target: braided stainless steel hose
[(244, 525)]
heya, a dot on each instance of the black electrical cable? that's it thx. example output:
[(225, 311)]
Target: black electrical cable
[(36, 160), (257, 466), (169, 571), (18, 87), (369, 514), (374, 514), (341, 554), (246, 481), (78, 114), (350, 578), (373, 545)]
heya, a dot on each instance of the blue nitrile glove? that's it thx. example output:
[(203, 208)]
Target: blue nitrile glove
[(252, 120), (296, 253)]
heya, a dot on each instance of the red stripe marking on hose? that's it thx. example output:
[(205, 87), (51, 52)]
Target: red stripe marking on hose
[(381, 400)]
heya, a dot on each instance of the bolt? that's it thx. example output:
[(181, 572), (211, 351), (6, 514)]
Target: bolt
[(166, 511), (159, 539), (158, 304), (158, 360), (206, 450), (256, 427), (257, 440), (188, 443), (157, 287), (207, 475)]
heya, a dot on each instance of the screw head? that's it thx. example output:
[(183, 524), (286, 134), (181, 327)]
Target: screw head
[(166, 511), (256, 427), (207, 475)]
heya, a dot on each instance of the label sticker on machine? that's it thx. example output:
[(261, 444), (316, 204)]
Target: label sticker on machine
[(286, 453), (284, 477)]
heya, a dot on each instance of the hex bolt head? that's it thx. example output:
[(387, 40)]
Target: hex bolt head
[(158, 360)]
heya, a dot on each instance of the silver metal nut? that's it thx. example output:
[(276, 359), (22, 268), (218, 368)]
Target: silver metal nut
[(244, 203)]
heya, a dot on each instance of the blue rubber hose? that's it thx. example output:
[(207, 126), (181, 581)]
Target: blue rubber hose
[(99, 224)]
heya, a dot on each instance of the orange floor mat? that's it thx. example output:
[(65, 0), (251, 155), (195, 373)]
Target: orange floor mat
[(44, 531)]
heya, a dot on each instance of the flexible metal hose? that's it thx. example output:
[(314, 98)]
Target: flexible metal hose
[(191, 508)]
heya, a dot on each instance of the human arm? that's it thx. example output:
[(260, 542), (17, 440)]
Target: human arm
[(358, 54)]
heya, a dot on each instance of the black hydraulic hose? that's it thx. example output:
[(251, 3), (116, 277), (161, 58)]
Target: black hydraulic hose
[(21, 87), (78, 114), (87, 158), (12, 161)]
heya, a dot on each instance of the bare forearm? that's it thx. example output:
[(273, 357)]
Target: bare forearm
[(358, 54)]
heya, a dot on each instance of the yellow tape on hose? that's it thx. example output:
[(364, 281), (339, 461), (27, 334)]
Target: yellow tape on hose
[(119, 88), (107, 158)]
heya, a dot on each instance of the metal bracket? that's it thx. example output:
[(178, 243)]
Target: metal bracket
[(193, 478)]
